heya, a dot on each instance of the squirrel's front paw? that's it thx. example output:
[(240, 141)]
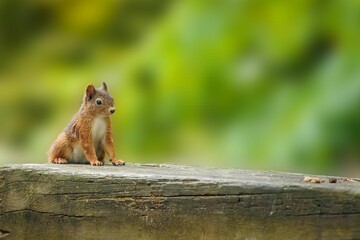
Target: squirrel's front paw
[(96, 163), (117, 162), (60, 161)]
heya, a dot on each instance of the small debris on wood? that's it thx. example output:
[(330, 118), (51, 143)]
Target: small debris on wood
[(332, 180), (313, 179), (355, 180)]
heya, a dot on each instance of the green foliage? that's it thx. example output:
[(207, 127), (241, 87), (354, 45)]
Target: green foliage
[(254, 84)]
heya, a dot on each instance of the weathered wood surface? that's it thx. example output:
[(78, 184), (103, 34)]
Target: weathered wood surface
[(42, 201)]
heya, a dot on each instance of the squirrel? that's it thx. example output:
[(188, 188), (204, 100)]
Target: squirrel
[(88, 136)]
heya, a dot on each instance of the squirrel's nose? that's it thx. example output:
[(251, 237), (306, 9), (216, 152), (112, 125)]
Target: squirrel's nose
[(112, 110)]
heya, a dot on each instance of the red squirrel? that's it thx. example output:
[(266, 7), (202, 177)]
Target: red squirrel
[(88, 136)]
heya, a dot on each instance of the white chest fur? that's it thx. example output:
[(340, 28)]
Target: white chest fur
[(98, 129)]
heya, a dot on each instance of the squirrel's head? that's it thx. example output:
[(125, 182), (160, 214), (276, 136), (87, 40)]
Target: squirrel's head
[(98, 100)]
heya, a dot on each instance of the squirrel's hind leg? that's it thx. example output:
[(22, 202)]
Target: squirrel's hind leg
[(59, 152)]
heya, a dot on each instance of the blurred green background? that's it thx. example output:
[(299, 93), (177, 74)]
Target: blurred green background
[(234, 83)]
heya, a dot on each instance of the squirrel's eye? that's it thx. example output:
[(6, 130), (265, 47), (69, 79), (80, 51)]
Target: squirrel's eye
[(98, 101)]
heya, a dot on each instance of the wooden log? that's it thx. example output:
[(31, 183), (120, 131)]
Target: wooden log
[(43, 201)]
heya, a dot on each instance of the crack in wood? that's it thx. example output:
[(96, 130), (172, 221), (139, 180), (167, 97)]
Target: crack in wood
[(4, 233), (48, 213)]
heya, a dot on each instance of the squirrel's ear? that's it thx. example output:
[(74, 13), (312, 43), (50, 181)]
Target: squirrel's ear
[(90, 91), (104, 86)]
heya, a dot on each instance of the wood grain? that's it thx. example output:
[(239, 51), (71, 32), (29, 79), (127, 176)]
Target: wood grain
[(47, 201)]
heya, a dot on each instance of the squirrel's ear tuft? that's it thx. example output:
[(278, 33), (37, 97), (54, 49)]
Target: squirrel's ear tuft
[(104, 86), (90, 91)]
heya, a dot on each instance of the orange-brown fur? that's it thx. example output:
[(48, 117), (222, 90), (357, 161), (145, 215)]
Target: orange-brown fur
[(88, 136)]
